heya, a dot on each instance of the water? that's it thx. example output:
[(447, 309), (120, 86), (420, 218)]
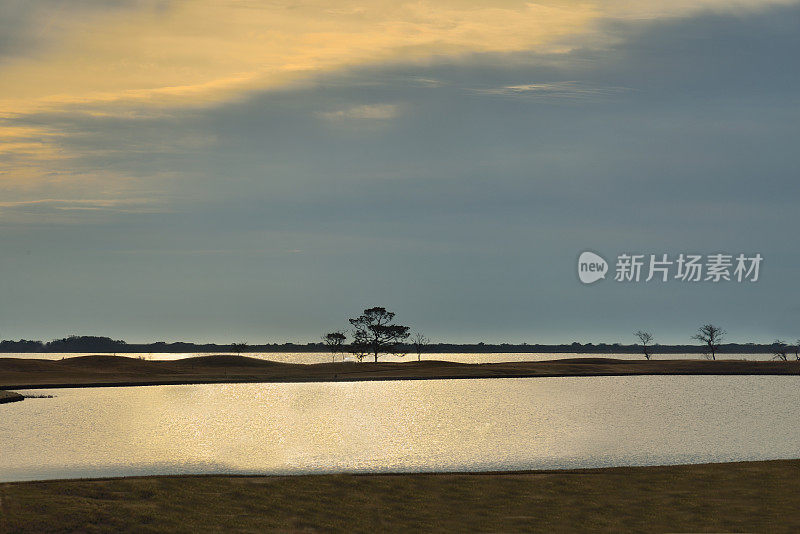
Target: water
[(398, 426), (324, 357)]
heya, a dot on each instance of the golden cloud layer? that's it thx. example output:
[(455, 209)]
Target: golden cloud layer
[(201, 51), (198, 52), (155, 55)]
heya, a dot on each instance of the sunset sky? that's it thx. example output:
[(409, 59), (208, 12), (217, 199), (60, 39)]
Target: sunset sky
[(262, 170)]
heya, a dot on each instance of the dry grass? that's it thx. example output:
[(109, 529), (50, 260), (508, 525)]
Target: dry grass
[(740, 497), (24, 373)]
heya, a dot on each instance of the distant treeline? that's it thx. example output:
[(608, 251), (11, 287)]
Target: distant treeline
[(105, 344)]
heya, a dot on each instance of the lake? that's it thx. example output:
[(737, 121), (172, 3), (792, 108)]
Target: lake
[(400, 426)]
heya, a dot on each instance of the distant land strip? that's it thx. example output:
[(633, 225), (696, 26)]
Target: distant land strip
[(10, 396), (97, 344), (100, 371)]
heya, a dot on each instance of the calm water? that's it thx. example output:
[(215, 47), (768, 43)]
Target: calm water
[(400, 426), (322, 357)]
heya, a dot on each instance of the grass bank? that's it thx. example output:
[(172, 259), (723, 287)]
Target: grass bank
[(89, 371), (10, 396), (736, 497)]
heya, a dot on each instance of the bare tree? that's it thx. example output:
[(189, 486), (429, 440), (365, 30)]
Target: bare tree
[(239, 347), (711, 336), (645, 338), (359, 350), (419, 341), (797, 350), (779, 350), (335, 343), (374, 333)]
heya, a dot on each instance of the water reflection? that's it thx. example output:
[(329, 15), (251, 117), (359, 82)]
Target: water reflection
[(400, 426)]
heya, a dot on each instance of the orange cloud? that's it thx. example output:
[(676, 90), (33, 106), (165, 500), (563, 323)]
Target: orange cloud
[(153, 57), (201, 52), (205, 51)]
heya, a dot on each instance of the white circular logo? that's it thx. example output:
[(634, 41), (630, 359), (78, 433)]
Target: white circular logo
[(591, 267)]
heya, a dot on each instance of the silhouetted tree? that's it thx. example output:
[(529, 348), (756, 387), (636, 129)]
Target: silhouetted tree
[(711, 336), (75, 343), (779, 350), (645, 338), (23, 345), (419, 341), (374, 333), (335, 343), (797, 350), (239, 347)]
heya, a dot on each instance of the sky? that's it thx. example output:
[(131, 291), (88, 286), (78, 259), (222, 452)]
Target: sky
[(227, 170)]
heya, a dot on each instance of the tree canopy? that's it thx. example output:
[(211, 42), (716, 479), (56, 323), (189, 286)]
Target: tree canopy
[(375, 334), (711, 336)]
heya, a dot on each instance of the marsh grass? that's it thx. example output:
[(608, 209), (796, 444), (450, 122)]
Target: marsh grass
[(752, 496)]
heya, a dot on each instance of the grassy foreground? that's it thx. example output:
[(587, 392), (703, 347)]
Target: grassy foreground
[(736, 497), (84, 371)]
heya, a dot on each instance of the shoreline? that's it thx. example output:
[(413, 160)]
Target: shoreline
[(10, 396), (120, 371), (401, 474), (740, 496)]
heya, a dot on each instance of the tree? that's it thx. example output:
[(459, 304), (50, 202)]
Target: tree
[(374, 333), (797, 350), (779, 349), (239, 347), (645, 338), (711, 336), (335, 343), (419, 341)]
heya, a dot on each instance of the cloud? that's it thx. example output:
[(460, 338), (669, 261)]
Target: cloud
[(74, 204), (572, 90), (181, 55), (131, 97), (133, 53), (364, 112), (30, 27), (67, 211)]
